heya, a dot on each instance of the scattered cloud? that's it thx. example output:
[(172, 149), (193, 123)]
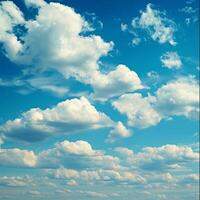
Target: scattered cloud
[(15, 181), (155, 23), (120, 131), (34, 3), (171, 60)]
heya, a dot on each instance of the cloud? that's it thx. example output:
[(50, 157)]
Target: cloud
[(171, 60), (188, 10), (124, 27), (167, 157), (11, 16), (120, 131), (136, 41), (178, 97), (17, 158), (66, 117), (34, 3), (76, 155), (15, 181), (115, 83), (99, 176), (78, 163), (137, 109), (156, 25), (62, 44)]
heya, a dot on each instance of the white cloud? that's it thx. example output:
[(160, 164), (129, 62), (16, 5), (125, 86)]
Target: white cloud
[(136, 41), (72, 183), (120, 131), (71, 54), (178, 97), (66, 117), (167, 157), (156, 24), (138, 110), (34, 3), (171, 60), (115, 83), (188, 10), (79, 163), (76, 155), (124, 27), (11, 16), (99, 175), (17, 158), (49, 83), (15, 181)]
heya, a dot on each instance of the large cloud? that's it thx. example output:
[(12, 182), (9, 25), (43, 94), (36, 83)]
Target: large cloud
[(58, 40), (178, 97), (66, 117)]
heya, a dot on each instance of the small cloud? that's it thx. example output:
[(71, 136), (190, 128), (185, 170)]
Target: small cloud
[(120, 131), (72, 183), (136, 41), (171, 60), (124, 27), (155, 23)]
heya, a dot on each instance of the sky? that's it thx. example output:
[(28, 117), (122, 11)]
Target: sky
[(99, 100)]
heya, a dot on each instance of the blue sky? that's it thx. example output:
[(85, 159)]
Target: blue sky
[(99, 100)]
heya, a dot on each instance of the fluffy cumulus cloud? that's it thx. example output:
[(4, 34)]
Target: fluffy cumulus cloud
[(59, 41), (11, 16), (76, 155), (138, 110), (79, 163), (17, 158), (66, 117), (120, 131), (156, 24), (171, 60), (178, 97), (100, 176), (115, 83), (159, 158)]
